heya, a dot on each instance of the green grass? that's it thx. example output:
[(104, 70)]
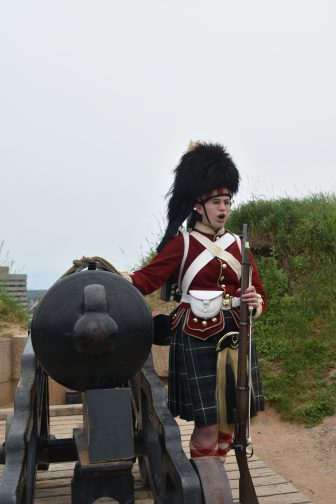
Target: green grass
[(295, 250), (11, 311)]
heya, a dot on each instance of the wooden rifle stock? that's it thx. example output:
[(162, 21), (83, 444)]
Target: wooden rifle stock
[(247, 494)]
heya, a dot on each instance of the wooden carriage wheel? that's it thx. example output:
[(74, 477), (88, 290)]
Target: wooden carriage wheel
[(214, 480)]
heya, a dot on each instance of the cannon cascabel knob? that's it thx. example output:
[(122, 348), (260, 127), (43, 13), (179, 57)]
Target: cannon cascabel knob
[(95, 332), (92, 329)]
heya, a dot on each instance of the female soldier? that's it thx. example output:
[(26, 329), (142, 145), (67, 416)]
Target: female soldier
[(206, 264)]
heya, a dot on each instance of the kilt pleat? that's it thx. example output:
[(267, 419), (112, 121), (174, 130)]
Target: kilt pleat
[(258, 391), (192, 376)]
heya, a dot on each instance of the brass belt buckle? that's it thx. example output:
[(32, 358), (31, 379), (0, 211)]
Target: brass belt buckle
[(227, 302)]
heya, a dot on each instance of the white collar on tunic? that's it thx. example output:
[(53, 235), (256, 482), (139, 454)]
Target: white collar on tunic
[(203, 228)]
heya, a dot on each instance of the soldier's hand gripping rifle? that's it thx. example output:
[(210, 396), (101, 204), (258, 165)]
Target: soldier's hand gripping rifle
[(247, 494)]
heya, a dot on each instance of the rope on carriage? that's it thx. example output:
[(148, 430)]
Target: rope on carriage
[(84, 261)]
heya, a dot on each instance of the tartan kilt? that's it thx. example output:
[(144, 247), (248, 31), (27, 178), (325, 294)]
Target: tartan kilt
[(192, 376)]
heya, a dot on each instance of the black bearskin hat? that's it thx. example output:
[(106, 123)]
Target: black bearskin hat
[(204, 168)]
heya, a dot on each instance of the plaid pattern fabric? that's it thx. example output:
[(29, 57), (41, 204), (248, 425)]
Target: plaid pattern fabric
[(192, 376), (258, 391)]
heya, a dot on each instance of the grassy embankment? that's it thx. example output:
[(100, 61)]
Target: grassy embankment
[(294, 244), (295, 249), (11, 313)]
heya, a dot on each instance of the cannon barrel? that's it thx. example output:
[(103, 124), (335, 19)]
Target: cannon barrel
[(91, 330)]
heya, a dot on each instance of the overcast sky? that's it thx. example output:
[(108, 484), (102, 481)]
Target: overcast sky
[(99, 99)]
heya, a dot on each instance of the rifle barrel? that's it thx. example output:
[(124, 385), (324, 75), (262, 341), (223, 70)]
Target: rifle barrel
[(247, 494)]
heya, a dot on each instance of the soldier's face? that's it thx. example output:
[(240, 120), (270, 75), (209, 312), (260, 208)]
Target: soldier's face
[(215, 211)]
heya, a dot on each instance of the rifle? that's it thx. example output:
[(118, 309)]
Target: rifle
[(247, 494)]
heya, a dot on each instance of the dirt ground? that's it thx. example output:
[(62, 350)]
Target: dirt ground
[(8, 330), (305, 457)]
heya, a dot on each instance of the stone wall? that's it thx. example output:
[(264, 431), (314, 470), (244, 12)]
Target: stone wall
[(11, 349)]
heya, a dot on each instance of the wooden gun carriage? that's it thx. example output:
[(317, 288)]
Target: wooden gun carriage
[(92, 332)]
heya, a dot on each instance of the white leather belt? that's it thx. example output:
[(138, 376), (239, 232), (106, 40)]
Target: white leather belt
[(211, 250), (228, 303)]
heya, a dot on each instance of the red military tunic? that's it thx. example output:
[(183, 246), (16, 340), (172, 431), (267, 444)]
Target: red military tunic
[(217, 275)]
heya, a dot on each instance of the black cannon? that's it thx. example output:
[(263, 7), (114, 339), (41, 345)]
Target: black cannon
[(97, 325), (92, 332)]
